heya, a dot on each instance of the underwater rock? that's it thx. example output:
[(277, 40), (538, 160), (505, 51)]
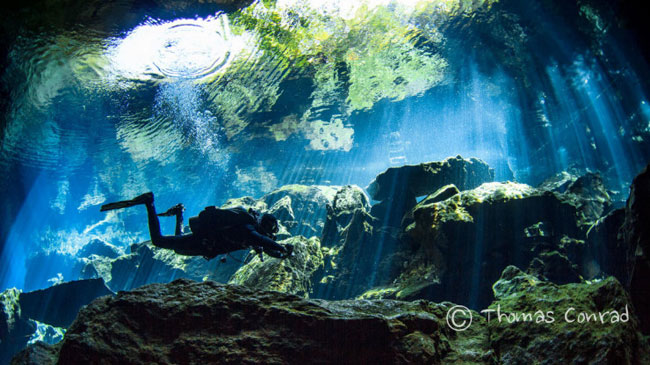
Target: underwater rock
[(464, 242), (426, 178), (291, 275), (360, 257), (189, 322), (608, 253), (441, 194), (149, 264), (594, 200), (346, 202), (586, 191), (37, 353), (357, 254), (636, 235), (555, 267), (100, 248), (15, 328), (58, 305), (300, 209), (534, 321), (307, 204), (398, 187)]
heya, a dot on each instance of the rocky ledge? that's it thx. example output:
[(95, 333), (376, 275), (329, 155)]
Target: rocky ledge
[(190, 322)]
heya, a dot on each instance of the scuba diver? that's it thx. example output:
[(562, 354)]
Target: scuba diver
[(214, 232)]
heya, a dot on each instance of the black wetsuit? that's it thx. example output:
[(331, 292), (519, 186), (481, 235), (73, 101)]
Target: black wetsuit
[(216, 241)]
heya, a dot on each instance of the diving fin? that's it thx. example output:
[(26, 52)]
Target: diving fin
[(141, 199)]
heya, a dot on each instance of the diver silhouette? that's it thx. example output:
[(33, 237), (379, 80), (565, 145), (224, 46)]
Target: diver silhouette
[(214, 231)]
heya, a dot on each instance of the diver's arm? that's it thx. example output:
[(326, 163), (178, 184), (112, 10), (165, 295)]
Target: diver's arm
[(257, 239)]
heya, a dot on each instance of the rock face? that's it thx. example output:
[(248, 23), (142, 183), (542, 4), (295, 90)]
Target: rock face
[(291, 275), (149, 264), (58, 305), (462, 244), (189, 322), (300, 209), (15, 329), (398, 187), (636, 235), (556, 329), (357, 254)]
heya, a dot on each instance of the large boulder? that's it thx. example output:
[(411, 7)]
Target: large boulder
[(463, 243), (426, 178), (99, 247), (189, 322), (292, 275), (398, 187), (149, 264), (636, 235), (534, 321), (347, 201), (15, 328), (58, 305), (300, 209)]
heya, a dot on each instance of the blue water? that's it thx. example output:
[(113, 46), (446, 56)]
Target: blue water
[(77, 136)]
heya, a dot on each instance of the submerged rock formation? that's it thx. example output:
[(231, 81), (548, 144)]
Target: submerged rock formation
[(357, 254), (58, 305), (462, 244), (636, 235), (300, 209), (149, 264), (398, 187), (189, 322), (291, 275), (534, 321), (15, 329)]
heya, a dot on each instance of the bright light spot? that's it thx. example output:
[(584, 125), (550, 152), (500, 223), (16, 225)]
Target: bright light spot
[(184, 48)]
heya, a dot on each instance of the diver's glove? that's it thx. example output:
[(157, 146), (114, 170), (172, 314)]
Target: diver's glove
[(289, 252), (260, 251)]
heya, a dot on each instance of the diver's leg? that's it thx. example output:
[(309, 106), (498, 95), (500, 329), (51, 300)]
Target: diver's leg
[(188, 245), (177, 211), (179, 223)]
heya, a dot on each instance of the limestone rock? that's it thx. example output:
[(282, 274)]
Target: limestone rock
[(304, 209), (40, 353), (363, 257), (512, 282), (189, 322), (58, 305), (15, 329), (100, 248), (426, 178), (291, 275), (636, 235), (346, 202), (465, 241), (300, 209), (398, 187), (149, 264), (541, 322), (555, 267)]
